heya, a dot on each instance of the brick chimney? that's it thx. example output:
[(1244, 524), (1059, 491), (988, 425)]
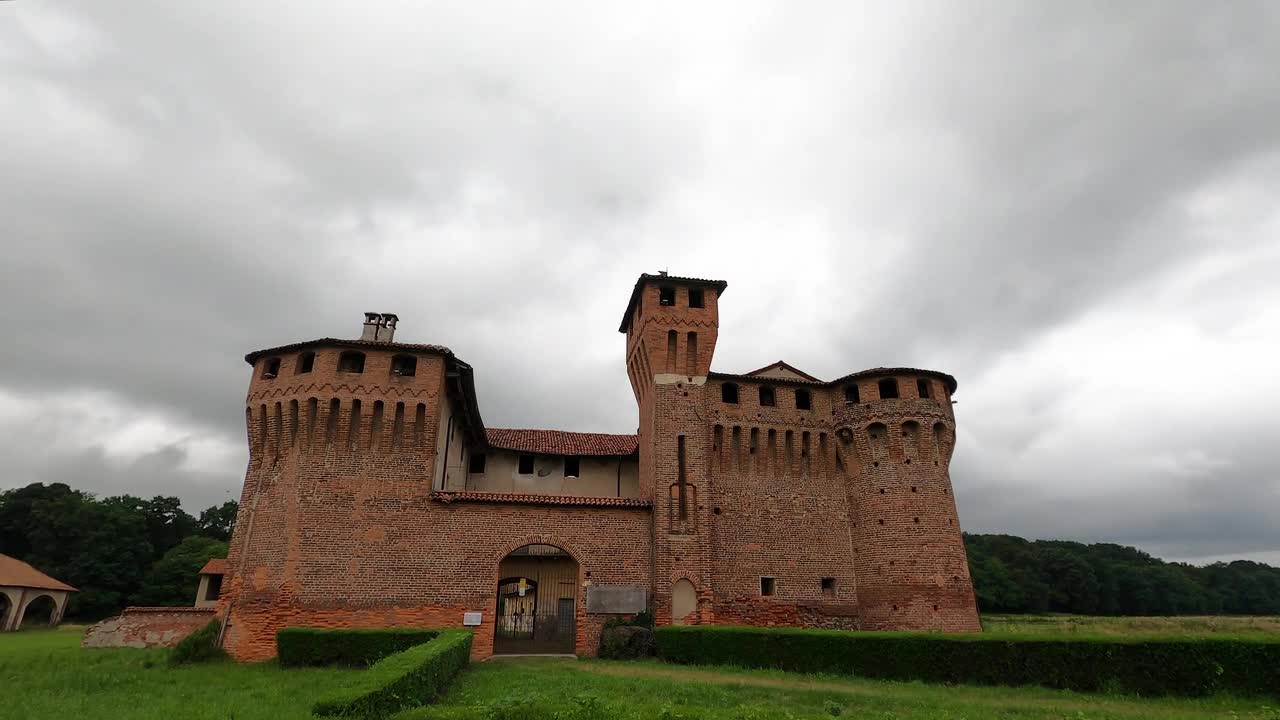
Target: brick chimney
[(387, 330), (372, 322)]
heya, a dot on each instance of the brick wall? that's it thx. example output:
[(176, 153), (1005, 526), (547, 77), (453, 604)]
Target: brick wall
[(145, 627)]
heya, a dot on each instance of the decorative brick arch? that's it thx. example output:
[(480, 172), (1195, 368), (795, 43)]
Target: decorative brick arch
[(511, 547)]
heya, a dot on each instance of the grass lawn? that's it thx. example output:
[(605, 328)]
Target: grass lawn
[(46, 675), (1130, 626), (534, 688)]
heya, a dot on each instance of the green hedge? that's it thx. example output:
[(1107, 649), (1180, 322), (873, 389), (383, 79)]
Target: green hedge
[(1145, 666), (199, 646), (303, 647), (407, 679)]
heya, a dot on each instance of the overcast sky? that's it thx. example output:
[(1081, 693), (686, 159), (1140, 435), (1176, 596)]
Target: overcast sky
[(1072, 207)]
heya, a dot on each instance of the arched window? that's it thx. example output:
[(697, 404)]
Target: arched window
[(404, 365), (851, 393), (803, 401), (306, 361), (922, 388), (767, 396), (888, 388), (271, 368), (351, 361), (729, 393)]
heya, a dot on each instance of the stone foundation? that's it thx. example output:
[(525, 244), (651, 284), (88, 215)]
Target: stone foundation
[(147, 627)]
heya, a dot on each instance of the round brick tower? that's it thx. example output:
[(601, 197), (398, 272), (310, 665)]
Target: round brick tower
[(896, 431)]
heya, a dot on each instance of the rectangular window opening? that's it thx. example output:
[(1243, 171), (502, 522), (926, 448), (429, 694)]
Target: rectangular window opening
[(526, 465), (766, 396), (666, 296), (571, 467), (476, 466), (695, 298), (828, 586), (767, 586), (922, 387), (803, 401)]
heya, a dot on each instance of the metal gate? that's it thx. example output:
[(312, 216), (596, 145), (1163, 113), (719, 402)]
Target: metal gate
[(537, 599)]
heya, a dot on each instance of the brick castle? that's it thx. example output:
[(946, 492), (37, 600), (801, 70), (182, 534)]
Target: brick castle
[(376, 496)]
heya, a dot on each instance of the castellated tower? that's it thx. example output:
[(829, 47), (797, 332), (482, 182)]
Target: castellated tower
[(780, 499)]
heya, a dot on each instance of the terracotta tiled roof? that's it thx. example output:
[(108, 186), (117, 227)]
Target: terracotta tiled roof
[(559, 442), (216, 566), (719, 285), (531, 499), (948, 379), (15, 573), (785, 366), (252, 357)]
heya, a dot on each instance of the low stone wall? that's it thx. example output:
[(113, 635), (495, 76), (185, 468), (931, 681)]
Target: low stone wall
[(148, 627)]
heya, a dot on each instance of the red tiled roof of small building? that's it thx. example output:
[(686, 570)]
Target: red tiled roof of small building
[(533, 499), (15, 573), (560, 442), (216, 566)]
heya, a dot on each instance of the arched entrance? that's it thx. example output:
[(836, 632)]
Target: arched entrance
[(40, 612), (537, 609)]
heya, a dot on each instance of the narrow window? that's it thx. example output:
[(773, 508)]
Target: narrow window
[(351, 362), (691, 355), (526, 465), (922, 387), (829, 587), (729, 393), (888, 389), (420, 425), (767, 586), (397, 426), (306, 361), (695, 298), (404, 365), (571, 467), (375, 426), (766, 396), (683, 498), (803, 401), (851, 393), (353, 431), (293, 423), (666, 296), (477, 463), (671, 351), (271, 368)]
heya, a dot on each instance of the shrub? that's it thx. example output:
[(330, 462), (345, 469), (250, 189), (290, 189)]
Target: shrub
[(305, 647), (626, 642), (1145, 666), (199, 646), (407, 679)]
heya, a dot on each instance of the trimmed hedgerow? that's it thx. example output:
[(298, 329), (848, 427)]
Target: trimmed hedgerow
[(199, 646), (407, 679), (308, 647), (1145, 666)]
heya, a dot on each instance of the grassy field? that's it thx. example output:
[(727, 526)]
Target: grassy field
[(45, 674), (1130, 626)]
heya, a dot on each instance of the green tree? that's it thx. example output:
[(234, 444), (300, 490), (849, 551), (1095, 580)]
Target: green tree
[(218, 521), (173, 579), (167, 523)]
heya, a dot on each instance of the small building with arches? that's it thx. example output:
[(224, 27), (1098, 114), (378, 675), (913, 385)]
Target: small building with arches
[(28, 597), (376, 495)]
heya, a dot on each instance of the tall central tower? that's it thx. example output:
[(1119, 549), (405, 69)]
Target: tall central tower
[(671, 324)]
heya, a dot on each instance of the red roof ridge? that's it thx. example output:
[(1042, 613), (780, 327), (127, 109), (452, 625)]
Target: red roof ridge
[(562, 442), (215, 566)]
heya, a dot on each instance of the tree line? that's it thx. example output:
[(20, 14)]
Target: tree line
[(1013, 575), (117, 551)]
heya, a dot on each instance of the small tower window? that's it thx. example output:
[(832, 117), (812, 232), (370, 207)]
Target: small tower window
[(922, 387), (729, 393), (766, 396), (271, 368), (351, 361), (888, 389), (571, 466), (666, 295), (829, 587), (306, 361), (768, 586), (851, 393), (476, 466), (404, 365), (803, 401), (526, 465), (695, 298)]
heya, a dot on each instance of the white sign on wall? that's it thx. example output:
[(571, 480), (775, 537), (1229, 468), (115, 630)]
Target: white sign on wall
[(471, 618)]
